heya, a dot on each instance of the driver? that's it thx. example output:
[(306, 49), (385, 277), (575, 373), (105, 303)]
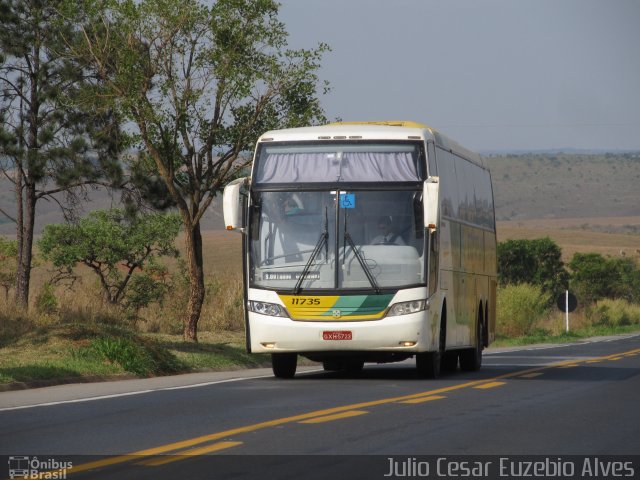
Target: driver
[(386, 234)]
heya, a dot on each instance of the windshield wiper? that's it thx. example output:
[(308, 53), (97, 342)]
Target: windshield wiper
[(323, 240), (367, 271)]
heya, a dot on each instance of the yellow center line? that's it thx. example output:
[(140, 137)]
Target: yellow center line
[(317, 413), (621, 354), (490, 385), (531, 375), (337, 416), (163, 460), (430, 398)]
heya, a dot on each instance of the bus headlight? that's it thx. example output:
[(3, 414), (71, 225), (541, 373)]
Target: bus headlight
[(405, 308), (265, 308)]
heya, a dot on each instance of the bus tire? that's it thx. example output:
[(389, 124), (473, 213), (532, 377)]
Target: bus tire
[(449, 362), (428, 364), (284, 364), (471, 359)]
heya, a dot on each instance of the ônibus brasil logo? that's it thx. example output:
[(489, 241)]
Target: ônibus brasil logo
[(34, 468)]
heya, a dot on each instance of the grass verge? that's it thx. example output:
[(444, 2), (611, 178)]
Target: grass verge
[(71, 353), (543, 336)]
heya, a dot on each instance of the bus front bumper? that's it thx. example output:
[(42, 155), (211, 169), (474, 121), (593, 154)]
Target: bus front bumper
[(410, 333)]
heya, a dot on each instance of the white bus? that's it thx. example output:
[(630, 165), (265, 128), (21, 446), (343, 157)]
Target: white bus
[(366, 242)]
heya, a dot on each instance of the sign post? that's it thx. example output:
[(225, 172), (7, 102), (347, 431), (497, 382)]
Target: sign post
[(566, 309), (567, 302)]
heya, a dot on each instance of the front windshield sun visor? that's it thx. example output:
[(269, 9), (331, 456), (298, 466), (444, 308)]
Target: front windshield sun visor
[(294, 163)]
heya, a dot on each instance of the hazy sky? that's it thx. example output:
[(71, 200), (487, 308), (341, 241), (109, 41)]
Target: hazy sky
[(492, 74)]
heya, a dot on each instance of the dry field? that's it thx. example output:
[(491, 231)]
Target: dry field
[(582, 235), (222, 252)]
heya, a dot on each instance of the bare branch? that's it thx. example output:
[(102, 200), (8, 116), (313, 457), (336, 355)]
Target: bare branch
[(48, 193), (8, 216)]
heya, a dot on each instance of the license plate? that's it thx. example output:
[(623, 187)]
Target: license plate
[(337, 335)]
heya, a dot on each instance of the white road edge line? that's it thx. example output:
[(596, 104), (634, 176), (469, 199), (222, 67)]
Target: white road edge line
[(140, 392), (128, 394)]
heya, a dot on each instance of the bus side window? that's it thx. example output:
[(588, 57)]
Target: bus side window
[(433, 262), (431, 160), (254, 215)]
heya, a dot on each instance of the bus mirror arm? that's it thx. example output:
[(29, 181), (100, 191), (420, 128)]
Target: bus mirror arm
[(433, 240), (431, 203)]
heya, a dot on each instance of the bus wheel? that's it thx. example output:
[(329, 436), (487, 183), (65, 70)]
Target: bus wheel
[(449, 362), (428, 364), (471, 359), (284, 364)]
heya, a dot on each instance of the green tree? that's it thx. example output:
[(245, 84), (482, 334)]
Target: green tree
[(47, 148), (595, 277), (538, 262), (149, 287), (198, 83), (113, 245)]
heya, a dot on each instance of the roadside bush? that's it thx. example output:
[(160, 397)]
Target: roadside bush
[(167, 316), (13, 324), (134, 354), (616, 313), (8, 257), (46, 300), (223, 308), (519, 308)]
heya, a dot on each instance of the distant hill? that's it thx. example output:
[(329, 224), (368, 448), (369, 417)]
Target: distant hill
[(526, 186), (96, 199), (565, 186)]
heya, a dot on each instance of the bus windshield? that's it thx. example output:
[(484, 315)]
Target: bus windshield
[(337, 239)]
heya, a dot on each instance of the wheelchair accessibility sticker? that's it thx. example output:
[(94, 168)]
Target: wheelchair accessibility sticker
[(347, 200)]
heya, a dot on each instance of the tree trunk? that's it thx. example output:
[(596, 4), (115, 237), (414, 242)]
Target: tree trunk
[(27, 215), (19, 226), (25, 245), (193, 244)]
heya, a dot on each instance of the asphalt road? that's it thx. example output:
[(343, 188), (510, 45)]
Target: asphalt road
[(553, 401)]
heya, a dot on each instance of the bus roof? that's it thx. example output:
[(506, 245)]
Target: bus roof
[(374, 130)]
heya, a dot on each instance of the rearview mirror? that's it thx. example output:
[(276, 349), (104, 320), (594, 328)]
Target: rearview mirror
[(431, 202), (233, 204)]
